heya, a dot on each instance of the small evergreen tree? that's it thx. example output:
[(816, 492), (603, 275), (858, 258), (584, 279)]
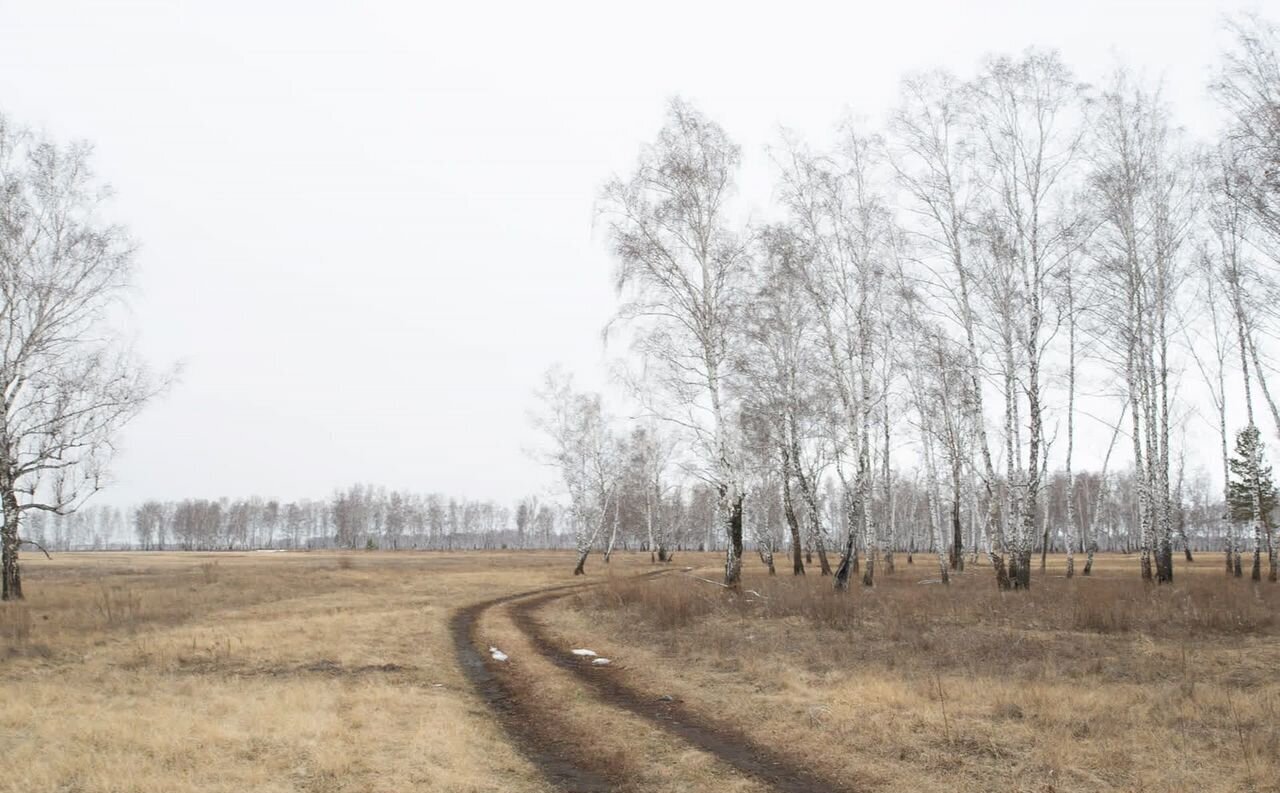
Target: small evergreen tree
[(1248, 459)]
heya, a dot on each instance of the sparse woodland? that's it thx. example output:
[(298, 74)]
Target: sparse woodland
[(945, 461), (891, 360), (896, 360)]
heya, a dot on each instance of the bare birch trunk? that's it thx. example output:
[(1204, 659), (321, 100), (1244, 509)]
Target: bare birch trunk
[(648, 522), (10, 540), (1259, 526), (870, 541), (613, 535), (889, 523), (848, 563), (1102, 492), (820, 548), (731, 514), (808, 491), (1071, 427), (957, 540), (1275, 415), (931, 494), (789, 513), (1141, 479), (1013, 531)]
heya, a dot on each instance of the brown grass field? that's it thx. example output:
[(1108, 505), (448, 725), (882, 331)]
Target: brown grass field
[(344, 672)]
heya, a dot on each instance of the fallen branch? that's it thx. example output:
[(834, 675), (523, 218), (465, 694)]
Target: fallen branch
[(709, 581), (726, 586)]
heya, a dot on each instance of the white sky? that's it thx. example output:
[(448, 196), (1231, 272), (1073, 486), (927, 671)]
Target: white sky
[(367, 227)]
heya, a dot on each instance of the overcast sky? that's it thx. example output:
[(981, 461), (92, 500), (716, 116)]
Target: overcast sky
[(367, 227)]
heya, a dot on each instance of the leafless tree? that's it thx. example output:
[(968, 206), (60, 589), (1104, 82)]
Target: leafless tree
[(780, 383), (585, 452), (1143, 197), (935, 160), (68, 380), (1027, 116), (847, 232), (649, 452), (681, 267), (1221, 244)]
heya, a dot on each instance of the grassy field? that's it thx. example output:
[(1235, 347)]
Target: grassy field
[(1083, 685), (265, 672), (344, 672)]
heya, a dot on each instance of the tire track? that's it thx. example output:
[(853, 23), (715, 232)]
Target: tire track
[(727, 744), (523, 726)]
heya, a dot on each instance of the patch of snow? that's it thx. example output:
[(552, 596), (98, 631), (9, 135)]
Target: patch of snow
[(601, 662), (497, 654), (589, 653)]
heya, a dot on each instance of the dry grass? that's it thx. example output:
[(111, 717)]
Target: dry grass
[(167, 673), (1090, 684), (321, 672)]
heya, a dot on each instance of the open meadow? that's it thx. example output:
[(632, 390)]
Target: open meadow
[(372, 672), (363, 366)]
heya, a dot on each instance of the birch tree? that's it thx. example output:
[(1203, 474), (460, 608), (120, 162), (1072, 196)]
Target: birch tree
[(1143, 197), (847, 233), (649, 454), (935, 161), (1029, 128), (586, 455), (1242, 284), (778, 368), (681, 267), (937, 376), (1248, 187), (1221, 243), (68, 379), (1069, 296)]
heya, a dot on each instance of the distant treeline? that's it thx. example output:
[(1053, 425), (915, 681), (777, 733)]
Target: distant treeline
[(367, 516)]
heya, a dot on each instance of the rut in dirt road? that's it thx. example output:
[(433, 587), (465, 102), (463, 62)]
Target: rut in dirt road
[(528, 730), (723, 742)]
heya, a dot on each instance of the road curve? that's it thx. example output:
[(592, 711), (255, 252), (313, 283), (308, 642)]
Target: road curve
[(725, 743), (556, 762)]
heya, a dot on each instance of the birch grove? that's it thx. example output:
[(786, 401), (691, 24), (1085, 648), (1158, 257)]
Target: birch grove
[(923, 340)]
